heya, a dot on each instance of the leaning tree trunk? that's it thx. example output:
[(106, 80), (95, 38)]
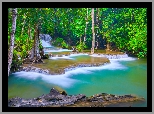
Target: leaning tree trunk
[(93, 41), (10, 54)]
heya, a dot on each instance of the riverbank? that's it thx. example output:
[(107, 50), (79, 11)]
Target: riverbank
[(61, 99)]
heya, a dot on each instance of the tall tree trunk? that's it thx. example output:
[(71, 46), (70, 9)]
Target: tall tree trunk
[(97, 30), (36, 34), (93, 31), (86, 26), (10, 54), (28, 39), (35, 41), (38, 39)]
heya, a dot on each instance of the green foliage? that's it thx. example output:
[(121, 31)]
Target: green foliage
[(126, 27), (21, 46), (60, 43), (16, 62), (40, 45), (64, 45), (81, 46)]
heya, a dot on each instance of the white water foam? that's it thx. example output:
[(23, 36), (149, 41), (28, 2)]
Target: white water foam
[(63, 57), (114, 65), (96, 55), (72, 55), (64, 80), (124, 59), (67, 57), (58, 50), (45, 44), (60, 80)]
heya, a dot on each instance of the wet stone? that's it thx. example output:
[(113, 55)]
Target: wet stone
[(54, 92), (56, 98)]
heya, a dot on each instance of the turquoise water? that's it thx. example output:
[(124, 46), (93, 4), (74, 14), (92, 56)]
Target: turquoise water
[(125, 76)]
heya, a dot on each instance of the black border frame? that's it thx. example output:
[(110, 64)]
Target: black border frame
[(6, 5)]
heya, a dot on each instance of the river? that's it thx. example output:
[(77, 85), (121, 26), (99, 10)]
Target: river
[(123, 76)]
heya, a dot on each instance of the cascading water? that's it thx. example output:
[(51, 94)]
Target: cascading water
[(46, 44), (118, 56), (46, 39)]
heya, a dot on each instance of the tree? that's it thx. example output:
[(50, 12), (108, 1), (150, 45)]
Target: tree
[(130, 33), (10, 53), (86, 18), (93, 32)]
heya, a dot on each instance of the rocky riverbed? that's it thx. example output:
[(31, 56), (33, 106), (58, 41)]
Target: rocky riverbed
[(60, 99), (60, 70), (60, 66)]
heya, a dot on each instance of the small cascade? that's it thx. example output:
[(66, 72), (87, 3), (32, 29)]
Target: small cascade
[(35, 69), (46, 37), (118, 56), (46, 43)]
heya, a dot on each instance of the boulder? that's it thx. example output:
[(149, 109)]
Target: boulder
[(54, 92)]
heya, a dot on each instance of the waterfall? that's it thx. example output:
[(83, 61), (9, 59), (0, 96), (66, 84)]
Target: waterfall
[(45, 39), (46, 44)]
